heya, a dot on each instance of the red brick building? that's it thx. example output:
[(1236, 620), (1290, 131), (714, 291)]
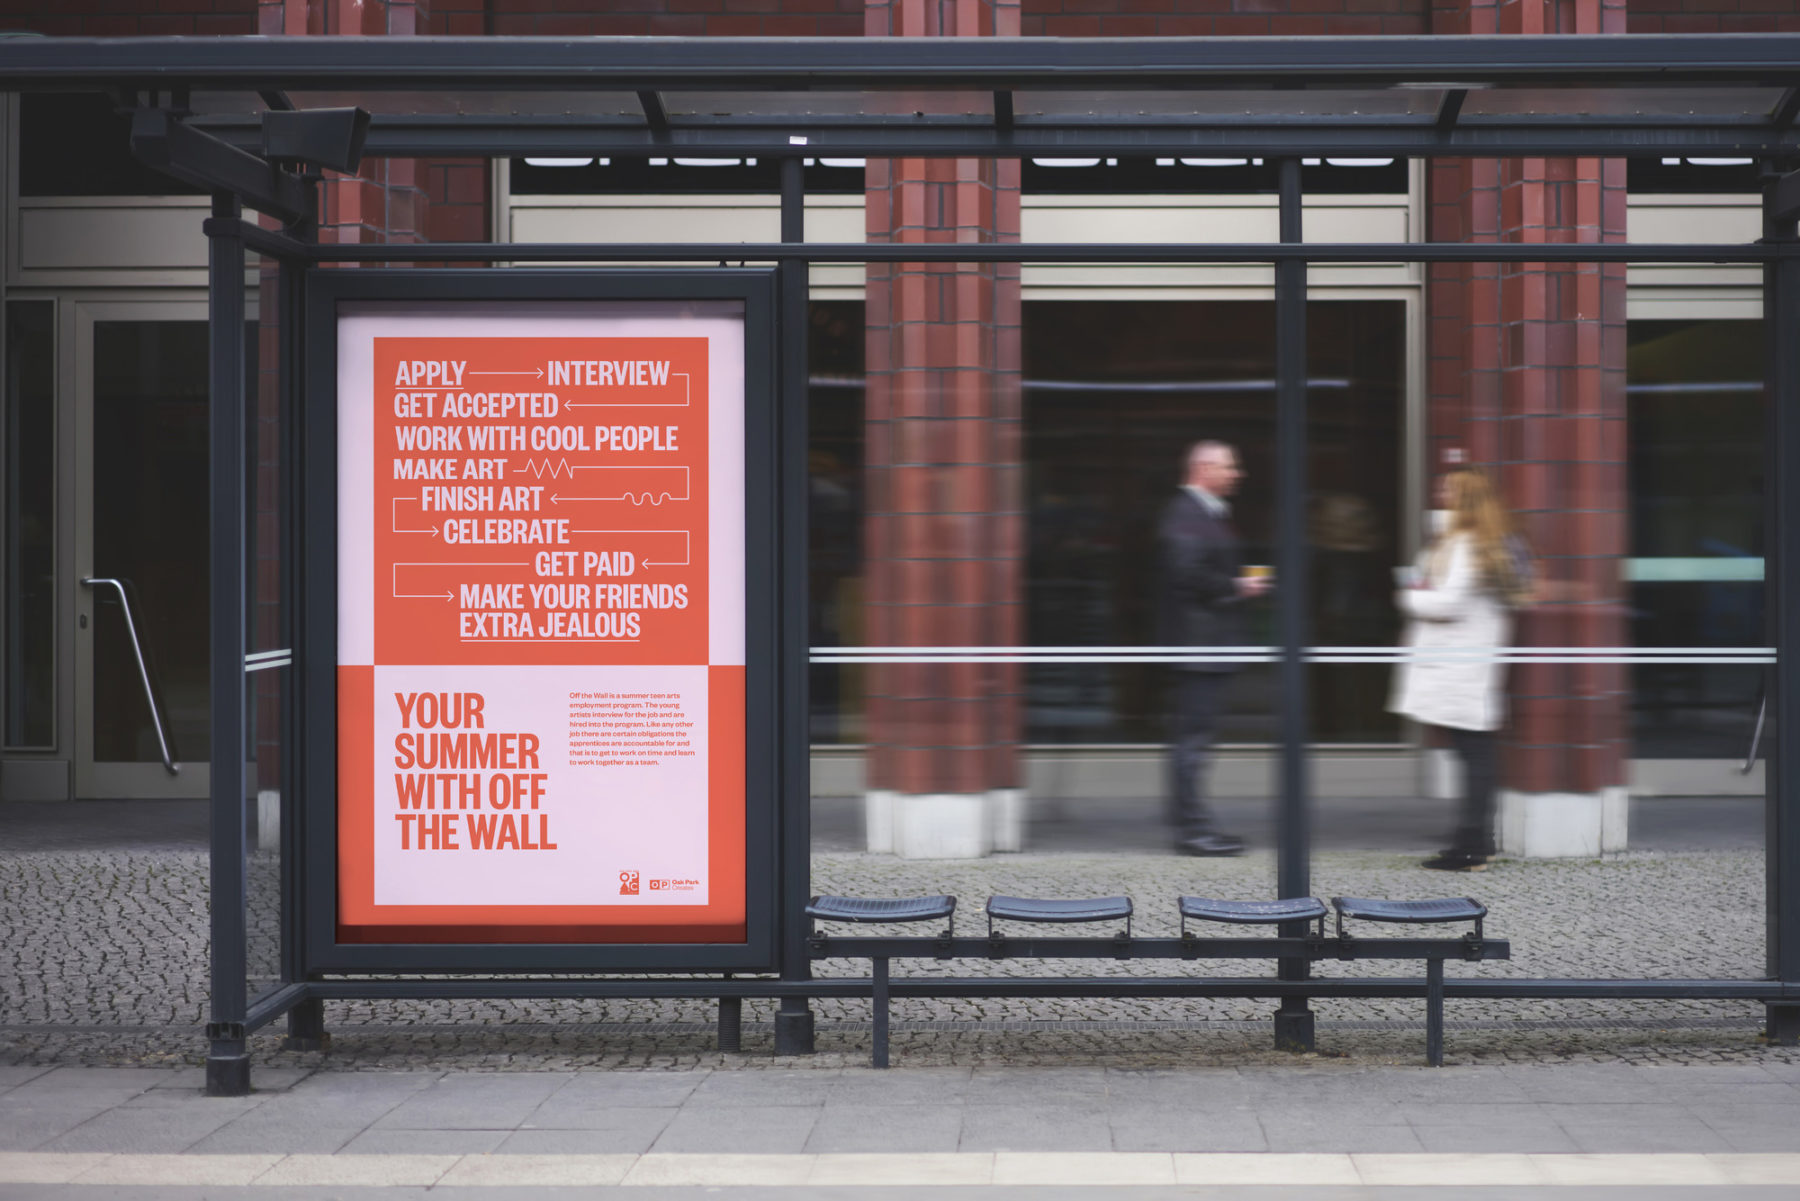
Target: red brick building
[(991, 442)]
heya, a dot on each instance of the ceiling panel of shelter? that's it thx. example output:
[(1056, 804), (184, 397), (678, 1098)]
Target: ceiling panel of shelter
[(226, 103), (479, 102), (1260, 102), (1623, 102), (897, 102)]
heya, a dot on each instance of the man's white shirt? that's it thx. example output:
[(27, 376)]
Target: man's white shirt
[(1214, 506)]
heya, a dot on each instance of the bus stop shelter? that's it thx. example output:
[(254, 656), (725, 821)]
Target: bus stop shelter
[(258, 122)]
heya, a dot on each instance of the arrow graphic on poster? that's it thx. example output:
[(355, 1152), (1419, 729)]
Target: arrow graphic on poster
[(637, 496), (687, 399), (687, 543), (396, 521), (539, 373), (399, 595)]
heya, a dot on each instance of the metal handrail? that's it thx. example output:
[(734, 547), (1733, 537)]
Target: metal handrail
[(137, 651), (1762, 711)]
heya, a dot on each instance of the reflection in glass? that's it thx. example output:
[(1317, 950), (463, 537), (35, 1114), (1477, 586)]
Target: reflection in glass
[(30, 536)]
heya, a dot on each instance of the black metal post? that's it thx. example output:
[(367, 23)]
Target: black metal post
[(1781, 598), (878, 1004), (794, 1018), (1434, 1012), (1294, 1019), (306, 1020), (227, 1059)]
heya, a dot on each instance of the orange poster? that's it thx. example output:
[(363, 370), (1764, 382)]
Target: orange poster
[(541, 639)]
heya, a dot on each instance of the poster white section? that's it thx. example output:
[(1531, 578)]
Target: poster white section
[(725, 457), (592, 787)]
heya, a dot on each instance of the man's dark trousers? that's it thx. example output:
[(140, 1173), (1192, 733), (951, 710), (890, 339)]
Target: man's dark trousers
[(1199, 701)]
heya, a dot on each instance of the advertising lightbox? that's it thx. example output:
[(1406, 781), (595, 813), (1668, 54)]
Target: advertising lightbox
[(540, 624)]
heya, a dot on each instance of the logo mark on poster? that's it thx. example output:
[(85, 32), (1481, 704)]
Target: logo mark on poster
[(628, 884)]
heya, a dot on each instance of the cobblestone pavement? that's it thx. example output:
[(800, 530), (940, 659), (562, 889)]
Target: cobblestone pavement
[(103, 961)]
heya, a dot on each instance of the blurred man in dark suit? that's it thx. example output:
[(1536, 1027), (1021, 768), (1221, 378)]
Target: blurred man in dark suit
[(1200, 604)]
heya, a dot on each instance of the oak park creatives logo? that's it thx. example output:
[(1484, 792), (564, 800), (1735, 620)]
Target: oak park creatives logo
[(628, 884)]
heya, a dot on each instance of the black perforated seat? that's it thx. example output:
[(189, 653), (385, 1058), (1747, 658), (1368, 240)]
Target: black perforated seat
[(1031, 909), (1442, 909), (1253, 913), (881, 909)]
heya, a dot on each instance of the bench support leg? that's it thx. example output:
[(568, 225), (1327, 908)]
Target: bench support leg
[(731, 1023), (1294, 1026), (878, 1055), (794, 1027), (1434, 1012), (1782, 1026)]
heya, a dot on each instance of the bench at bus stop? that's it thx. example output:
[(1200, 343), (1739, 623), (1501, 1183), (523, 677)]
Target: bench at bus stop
[(1308, 913)]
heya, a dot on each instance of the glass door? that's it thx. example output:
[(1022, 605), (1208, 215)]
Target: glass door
[(142, 690)]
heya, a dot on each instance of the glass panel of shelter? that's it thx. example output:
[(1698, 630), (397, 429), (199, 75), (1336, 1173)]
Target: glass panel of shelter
[(1624, 685), (1584, 691), (1032, 676)]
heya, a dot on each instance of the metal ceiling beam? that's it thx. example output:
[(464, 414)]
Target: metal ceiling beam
[(1783, 203), (1450, 108), (656, 117), (857, 64), (874, 137), (1787, 110), (280, 246), (159, 140)]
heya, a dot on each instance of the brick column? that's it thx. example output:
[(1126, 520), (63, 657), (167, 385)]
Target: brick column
[(1527, 372), (387, 200), (945, 544)]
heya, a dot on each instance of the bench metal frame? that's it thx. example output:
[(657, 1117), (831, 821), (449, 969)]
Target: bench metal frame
[(1471, 948), (226, 154)]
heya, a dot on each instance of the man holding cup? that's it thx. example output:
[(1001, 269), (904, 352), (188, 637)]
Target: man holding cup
[(1202, 592)]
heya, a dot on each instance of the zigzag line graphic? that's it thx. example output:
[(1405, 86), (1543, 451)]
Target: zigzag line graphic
[(552, 469)]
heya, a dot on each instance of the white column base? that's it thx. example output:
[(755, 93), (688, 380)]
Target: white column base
[(948, 825), (268, 820), (1563, 825), (943, 825), (878, 820), (1006, 818)]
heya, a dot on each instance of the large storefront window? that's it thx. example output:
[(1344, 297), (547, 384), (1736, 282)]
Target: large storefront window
[(1114, 392), (1695, 421)]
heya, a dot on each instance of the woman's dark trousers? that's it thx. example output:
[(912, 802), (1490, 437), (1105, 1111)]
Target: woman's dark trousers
[(1475, 824)]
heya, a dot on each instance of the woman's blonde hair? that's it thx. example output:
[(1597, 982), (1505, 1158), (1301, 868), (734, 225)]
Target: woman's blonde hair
[(1475, 509)]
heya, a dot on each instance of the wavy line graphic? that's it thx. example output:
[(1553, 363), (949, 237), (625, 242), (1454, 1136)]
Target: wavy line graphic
[(547, 467)]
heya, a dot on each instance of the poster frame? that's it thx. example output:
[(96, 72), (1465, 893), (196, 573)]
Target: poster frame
[(765, 523)]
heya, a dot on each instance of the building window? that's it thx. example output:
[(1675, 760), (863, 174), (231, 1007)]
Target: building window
[(1695, 421)]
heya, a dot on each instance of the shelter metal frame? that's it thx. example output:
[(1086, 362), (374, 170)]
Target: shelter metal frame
[(1276, 98)]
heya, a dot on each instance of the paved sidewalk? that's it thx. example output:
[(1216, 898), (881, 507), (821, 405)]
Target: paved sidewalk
[(1320, 1129), (103, 941)]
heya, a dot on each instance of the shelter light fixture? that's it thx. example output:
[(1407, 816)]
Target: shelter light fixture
[(330, 138)]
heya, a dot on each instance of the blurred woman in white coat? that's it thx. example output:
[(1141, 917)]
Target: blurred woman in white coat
[(1457, 599)]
